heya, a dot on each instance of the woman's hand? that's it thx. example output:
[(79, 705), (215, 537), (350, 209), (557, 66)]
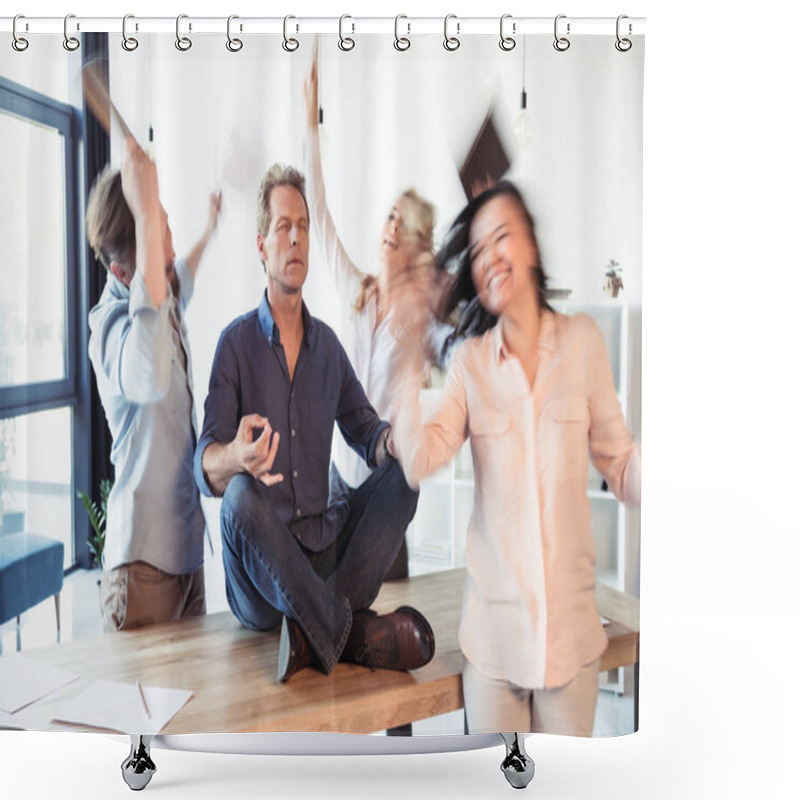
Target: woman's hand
[(310, 90)]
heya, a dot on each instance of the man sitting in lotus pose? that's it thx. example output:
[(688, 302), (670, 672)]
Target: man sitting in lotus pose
[(279, 381)]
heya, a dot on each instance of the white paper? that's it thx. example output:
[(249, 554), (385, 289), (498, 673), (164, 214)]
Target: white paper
[(119, 707), (25, 680)]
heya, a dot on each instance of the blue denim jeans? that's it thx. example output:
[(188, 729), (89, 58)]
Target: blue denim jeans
[(268, 573)]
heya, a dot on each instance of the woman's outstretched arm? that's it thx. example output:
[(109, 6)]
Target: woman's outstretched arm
[(611, 446), (344, 272)]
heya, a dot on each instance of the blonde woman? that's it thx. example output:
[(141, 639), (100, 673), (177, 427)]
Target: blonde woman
[(370, 338)]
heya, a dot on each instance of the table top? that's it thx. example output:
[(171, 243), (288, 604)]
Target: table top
[(232, 670)]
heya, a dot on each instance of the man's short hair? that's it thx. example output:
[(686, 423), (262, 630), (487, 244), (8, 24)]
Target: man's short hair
[(277, 175), (109, 222)]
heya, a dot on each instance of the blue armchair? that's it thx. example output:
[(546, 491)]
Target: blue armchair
[(31, 570)]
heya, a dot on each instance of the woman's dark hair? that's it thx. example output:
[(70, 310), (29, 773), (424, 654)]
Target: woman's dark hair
[(462, 307)]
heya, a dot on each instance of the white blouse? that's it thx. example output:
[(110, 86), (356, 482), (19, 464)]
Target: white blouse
[(372, 350), (529, 611)]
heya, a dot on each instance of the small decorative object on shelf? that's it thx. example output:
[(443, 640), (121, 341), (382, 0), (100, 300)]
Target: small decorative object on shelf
[(613, 279)]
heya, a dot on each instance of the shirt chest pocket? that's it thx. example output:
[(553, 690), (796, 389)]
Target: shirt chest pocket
[(491, 443), (564, 437)]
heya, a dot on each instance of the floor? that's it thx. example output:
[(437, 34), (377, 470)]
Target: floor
[(80, 617)]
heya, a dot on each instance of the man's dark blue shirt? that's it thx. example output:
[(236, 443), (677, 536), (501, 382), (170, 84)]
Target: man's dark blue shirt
[(250, 376)]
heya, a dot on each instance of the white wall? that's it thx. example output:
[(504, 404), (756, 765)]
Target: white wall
[(391, 120)]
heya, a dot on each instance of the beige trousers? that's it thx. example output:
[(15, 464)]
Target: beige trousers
[(139, 594), (494, 706)]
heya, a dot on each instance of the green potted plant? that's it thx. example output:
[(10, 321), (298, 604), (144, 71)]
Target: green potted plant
[(97, 519)]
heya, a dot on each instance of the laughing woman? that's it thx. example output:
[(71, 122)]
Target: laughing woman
[(370, 338), (533, 391)]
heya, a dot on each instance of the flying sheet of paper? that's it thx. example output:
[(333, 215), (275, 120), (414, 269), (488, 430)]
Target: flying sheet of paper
[(25, 680), (97, 96), (119, 707)]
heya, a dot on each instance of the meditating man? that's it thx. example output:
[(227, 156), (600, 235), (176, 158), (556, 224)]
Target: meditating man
[(279, 382)]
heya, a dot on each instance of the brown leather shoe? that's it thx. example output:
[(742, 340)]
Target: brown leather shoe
[(400, 640), (294, 653)]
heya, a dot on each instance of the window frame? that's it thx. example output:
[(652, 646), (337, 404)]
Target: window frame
[(73, 389)]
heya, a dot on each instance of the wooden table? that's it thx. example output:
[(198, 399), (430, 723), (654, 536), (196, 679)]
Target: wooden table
[(232, 670)]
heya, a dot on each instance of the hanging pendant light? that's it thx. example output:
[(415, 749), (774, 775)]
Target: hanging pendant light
[(523, 127)]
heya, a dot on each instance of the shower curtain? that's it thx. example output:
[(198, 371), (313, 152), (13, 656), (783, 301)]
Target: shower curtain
[(563, 125)]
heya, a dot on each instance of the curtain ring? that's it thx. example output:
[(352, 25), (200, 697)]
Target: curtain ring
[(451, 42), (623, 45), (129, 43), (561, 43), (507, 42), (346, 43), (234, 45), (290, 44), (19, 43), (183, 43), (70, 42), (401, 43)]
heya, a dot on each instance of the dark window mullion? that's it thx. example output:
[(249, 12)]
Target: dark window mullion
[(35, 107), (31, 397)]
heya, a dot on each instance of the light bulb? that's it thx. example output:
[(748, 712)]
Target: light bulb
[(523, 128)]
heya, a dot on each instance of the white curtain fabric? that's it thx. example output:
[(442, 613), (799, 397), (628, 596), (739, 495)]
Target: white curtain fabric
[(394, 120), (391, 120)]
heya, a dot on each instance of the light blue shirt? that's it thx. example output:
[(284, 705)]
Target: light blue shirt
[(154, 512)]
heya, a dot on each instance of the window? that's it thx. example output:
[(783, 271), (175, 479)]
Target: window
[(44, 451)]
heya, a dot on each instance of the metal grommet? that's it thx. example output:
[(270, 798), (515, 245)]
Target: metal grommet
[(290, 44), (19, 43), (561, 43), (401, 43), (183, 43), (70, 42), (128, 42), (623, 45), (451, 42), (507, 42), (346, 43), (233, 44)]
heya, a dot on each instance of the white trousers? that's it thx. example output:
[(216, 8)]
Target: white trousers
[(494, 706)]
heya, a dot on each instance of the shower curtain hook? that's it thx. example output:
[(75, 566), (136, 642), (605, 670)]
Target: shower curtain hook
[(623, 45), (561, 43), (401, 43), (129, 43), (289, 44), (346, 43), (70, 42), (451, 42), (183, 43), (507, 42), (19, 43), (234, 45)]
